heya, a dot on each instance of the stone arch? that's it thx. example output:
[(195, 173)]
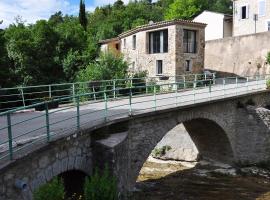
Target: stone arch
[(145, 134), (64, 155), (73, 181), (210, 139)]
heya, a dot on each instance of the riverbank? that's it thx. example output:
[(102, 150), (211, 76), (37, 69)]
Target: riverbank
[(172, 180)]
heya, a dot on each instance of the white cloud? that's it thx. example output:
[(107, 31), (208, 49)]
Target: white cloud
[(32, 10)]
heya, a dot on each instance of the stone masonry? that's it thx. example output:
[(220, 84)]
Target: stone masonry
[(233, 130)]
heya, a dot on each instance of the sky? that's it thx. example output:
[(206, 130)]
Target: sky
[(32, 10)]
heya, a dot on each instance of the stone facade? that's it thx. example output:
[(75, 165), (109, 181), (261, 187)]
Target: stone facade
[(140, 59), (247, 26), (242, 55)]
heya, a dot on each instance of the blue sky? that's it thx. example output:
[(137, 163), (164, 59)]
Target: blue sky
[(32, 10)]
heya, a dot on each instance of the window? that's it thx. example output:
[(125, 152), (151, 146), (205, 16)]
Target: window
[(268, 25), (158, 41), (190, 43), (125, 43), (159, 67), (261, 7), (244, 12), (134, 42), (117, 46), (188, 66)]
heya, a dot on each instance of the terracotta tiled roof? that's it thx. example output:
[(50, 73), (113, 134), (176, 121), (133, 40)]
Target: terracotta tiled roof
[(108, 40), (154, 26), (161, 24)]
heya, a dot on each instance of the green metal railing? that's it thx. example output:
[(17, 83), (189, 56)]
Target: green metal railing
[(33, 128), (11, 98)]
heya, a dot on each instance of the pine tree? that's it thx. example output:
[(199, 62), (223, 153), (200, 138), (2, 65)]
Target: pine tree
[(82, 15)]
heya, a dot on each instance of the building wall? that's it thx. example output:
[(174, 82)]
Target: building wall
[(242, 55), (228, 29), (139, 58), (173, 61), (214, 21), (197, 59), (247, 26)]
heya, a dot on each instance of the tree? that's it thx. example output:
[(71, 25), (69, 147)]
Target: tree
[(82, 15), (109, 66), (182, 9)]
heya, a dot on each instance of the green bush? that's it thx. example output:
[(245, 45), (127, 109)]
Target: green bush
[(100, 186), (157, 152), (53, 190), (268, 84)]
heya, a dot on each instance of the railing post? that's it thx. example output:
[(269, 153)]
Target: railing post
[(78, 112), (236, 82), (155, 98), (114, 92), (214, 79), (257, 82), (195, 81), (146, 89), (47, 121), (10, 137), (176, 94), (94, 93), (73, 92), (224, 83), (247, 83), (50, 91), (130, 102), (106, 106), (23, 97), (210, 90), (194, 100), (184, 77)]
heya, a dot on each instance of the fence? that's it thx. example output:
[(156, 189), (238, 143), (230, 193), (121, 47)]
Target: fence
[(11, 98), (20, 131)]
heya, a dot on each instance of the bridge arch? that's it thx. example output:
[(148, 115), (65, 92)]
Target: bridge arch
[(207, 130)]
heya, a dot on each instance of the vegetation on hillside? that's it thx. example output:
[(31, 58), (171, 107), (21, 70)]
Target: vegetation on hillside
[(55, 50)]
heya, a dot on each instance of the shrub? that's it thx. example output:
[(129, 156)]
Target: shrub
[(53, 190), (158, 152), (268, 84), (100, 186)]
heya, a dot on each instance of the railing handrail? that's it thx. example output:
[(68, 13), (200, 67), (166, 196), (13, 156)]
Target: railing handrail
[(173, 87)]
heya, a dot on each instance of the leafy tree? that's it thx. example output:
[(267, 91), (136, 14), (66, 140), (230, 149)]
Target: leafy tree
[(56, 18), (182, 9), (109, 66), (82, 15)]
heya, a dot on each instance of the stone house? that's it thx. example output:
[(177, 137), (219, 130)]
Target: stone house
[(250, 16), (163, 49), (219, 25)]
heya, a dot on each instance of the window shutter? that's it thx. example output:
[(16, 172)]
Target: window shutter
[(247, 11), (239, 13)]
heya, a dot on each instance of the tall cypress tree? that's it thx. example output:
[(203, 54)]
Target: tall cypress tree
[(82, 15)]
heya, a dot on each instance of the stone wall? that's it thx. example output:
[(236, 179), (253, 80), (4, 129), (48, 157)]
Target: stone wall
[(173, 62), (243, 55), (36, 169)]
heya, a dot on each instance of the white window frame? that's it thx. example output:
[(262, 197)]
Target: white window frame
[(247, 11), (259, 1)]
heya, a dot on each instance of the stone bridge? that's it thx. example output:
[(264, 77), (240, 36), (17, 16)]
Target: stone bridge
[(234, 130)]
